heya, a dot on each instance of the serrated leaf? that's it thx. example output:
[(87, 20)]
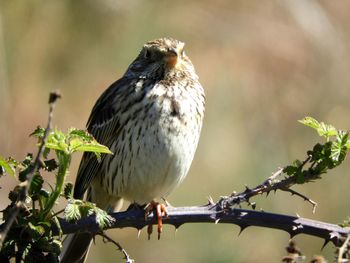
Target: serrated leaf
[(324, 130), (51, 165), (72, 212), (102, 218), (92, 147), (28, 160), (38, 132), (36, 184), (36, 231), (339, 148), (68, 190), (6, 166), (84, 135), (327, 130), (311, 122), (290, 169), (57, 141)]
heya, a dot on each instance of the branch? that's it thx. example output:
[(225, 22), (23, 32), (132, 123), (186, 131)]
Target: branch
[(120, 248), (24, 186), (215, 214), (271, 184), (343, 254)]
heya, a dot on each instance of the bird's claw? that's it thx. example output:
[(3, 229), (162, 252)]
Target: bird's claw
[(161, 211)]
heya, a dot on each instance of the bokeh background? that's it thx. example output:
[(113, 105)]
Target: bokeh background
[(264, 65)]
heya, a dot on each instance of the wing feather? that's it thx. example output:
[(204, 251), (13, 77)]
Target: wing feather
[(111, 112), (104, 124)]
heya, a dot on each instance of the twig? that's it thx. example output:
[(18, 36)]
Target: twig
[(313, 203), (344, 249), (271, 184), (215, 214), (109, 239), (24, 186)]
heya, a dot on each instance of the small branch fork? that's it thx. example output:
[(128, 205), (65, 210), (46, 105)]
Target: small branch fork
[(271, 184), (120, 248), (24, 186), (344, 251)]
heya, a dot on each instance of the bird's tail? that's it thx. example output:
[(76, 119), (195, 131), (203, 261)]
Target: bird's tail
[(76, 247)]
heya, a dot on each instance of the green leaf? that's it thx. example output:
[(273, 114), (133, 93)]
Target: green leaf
[(68, 190), (311, 122), (6, 166), (323, 129), (36, 231), (57, 141), (38, 132), (72, 212), (50, 165), (102, 218), (36, 184), (84, 135), (93, 147), (290, 169), (339, 147)]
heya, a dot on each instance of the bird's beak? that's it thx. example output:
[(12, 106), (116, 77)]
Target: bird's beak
[(171, 58)]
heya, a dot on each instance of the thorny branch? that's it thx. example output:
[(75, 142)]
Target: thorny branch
[(120, 248), (210, 213), (224, 211), (24, 186), (271, 184)]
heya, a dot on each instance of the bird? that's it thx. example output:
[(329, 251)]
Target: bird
[(151, 119)]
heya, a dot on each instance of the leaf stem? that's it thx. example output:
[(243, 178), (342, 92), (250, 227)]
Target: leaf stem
[(64, 162)]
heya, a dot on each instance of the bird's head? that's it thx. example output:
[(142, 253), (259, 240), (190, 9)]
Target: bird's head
[(160, 57)]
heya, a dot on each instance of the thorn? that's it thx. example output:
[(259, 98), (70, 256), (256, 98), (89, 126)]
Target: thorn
[(326, 241), (242, 227), (291, 235), (177, 226), (242, 214), (138, 233), (253, 205), (334, 235), (217, 221), (210, 200)]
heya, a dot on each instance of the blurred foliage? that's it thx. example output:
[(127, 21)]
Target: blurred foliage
[(263, 66), (31, 238)]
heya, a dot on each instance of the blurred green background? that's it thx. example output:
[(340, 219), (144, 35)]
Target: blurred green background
[(264, 65)]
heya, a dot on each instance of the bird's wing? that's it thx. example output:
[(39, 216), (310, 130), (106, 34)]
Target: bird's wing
[(105, 125)]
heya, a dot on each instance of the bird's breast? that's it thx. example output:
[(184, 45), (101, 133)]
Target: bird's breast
[(158, 145)]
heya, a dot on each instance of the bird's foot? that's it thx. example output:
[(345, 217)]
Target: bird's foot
[(167, 204), (161, 211)]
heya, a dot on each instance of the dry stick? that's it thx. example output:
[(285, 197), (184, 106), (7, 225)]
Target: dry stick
[(54, 95), (342, 250), (120, 248)]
